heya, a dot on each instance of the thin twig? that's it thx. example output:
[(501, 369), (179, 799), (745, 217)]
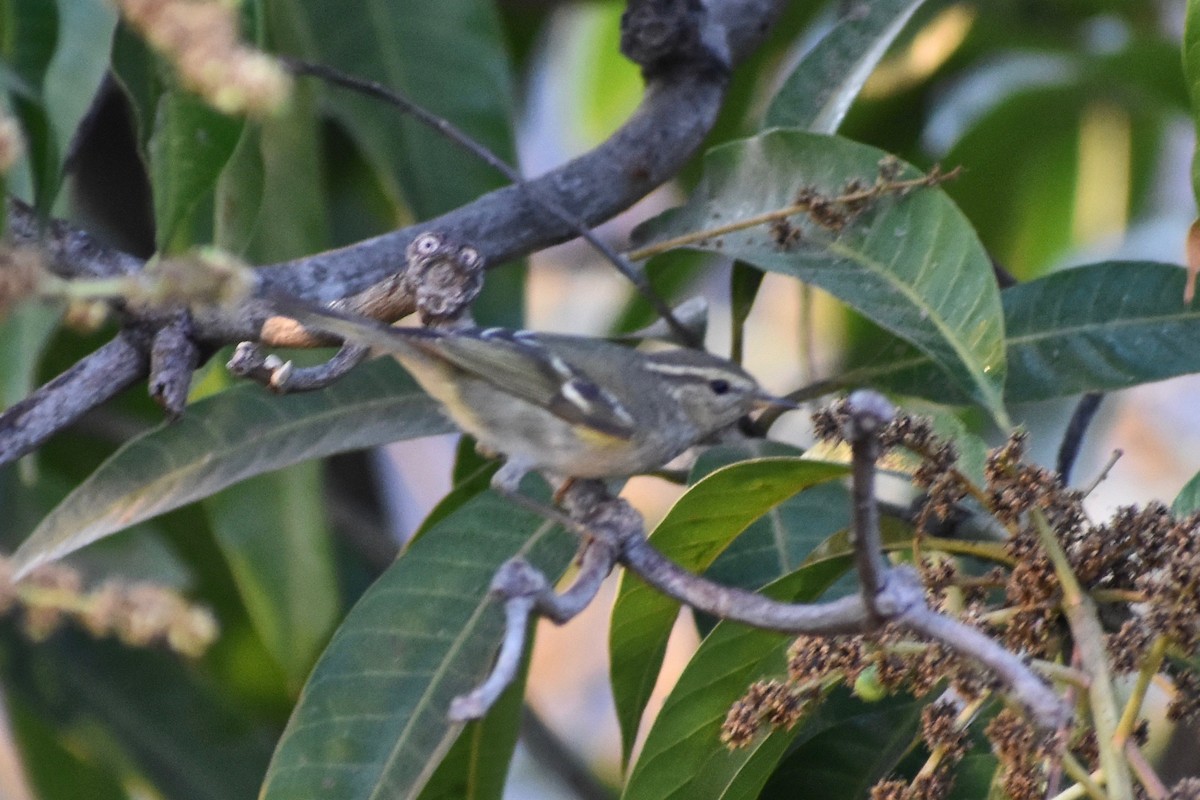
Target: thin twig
[(1088, 784), (802, 207), (526, 591), (1144, 771), (464, 141), (1133, 706), (1112, 462)]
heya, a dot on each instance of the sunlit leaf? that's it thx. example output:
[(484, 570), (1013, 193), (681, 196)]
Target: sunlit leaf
[(911, 264), (229, 437), (1092, 328)]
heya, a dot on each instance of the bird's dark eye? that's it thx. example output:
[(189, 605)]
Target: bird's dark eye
[(719, 386)]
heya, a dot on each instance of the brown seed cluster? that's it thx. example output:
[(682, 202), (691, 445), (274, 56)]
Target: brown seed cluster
[(1141, 567), (200, 37), (834, 213), (139, 614), (766, 703), (1022, 752)]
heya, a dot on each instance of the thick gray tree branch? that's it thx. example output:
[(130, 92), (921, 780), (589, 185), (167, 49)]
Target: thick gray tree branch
[(686, 81)]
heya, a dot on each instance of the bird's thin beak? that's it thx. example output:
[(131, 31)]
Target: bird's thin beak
[(767, 400)]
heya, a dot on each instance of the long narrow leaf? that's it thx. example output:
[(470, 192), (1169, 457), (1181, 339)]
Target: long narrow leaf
[(818, 93), (371, 722), (226, 438)]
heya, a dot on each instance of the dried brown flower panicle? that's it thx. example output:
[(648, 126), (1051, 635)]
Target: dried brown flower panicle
[(200, 37)]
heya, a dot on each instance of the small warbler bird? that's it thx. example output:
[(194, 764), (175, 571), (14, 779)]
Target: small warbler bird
[(565, 406)]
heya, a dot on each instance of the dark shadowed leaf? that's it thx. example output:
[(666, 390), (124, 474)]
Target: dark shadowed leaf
[(372, 720), (275, 538), (188, 149), (848, 748), (683, 756)]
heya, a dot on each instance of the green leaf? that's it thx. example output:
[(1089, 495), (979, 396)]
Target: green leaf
[(227, 438), (683, 756), (152, 709), (270, 197), (911, 264), (189, 147), (54, 771), (372, 720), (1188, 499), (974, 777), (274, 535), (1091, 328), (28, 35), (446, 55), (695, 531), (855, 744), (24, 333), (476, 766), (80, 62), (819, 91), (778, 542)]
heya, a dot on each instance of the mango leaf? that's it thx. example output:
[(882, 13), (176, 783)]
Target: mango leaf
[(858, 744), (695, 531), (476, 766), (152, 708), (1188, 499), (189, 147), (80, 62), (275, 538), (683, 756), (818, 93), (912, 264), (24, 333), (226, 438), (975, 777), (448, 56), (30, 31), (372, 720), (1091, 328)]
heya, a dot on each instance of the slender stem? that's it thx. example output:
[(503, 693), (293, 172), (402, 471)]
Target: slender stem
[(1133, 706), (1069, 675), (1084, 783), (988, 551), (1145, 773), (1089, 639)]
